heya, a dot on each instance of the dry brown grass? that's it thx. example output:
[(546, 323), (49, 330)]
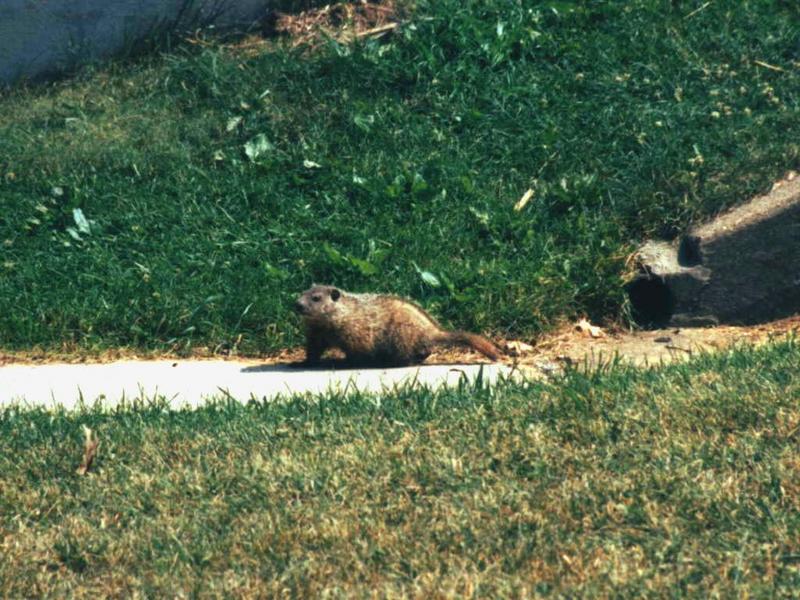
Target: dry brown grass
[(343, 21), (340, 21)]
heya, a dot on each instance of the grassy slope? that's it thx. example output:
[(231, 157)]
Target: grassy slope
[(666, 481), (629, 119)]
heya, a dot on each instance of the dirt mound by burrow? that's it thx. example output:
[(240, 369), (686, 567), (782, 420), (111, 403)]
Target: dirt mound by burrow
[(652, 347)]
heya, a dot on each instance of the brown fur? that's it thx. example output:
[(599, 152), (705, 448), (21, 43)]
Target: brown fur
[(376, 329)]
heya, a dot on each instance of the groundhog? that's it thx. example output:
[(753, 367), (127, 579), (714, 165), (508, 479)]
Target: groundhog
[(376, 329)]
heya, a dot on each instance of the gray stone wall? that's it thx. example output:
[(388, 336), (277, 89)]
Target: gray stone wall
[(45, 37)]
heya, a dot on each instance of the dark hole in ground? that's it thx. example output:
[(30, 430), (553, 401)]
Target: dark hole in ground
[(689, 252), (652, 302)]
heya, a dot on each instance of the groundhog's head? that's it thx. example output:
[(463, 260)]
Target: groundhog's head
[(318, 300)]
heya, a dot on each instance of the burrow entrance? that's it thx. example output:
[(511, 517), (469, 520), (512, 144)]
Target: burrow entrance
[(741, 268), (652, 302)]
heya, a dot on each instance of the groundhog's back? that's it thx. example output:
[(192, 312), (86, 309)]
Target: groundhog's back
[(366, 322)]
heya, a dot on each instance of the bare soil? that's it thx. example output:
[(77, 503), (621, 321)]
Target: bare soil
[(653, 347), (571, 346), (567, 346)]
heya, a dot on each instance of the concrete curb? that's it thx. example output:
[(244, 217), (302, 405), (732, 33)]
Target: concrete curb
[(193, 383)]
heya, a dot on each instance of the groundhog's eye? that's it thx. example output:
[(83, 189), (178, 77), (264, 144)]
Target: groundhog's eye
[(316, 298)]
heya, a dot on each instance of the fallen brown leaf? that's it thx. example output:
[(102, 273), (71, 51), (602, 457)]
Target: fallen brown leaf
[(587, 328), (517, 348)]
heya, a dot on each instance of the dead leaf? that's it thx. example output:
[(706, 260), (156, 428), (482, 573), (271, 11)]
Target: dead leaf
[(517, 348), (526, 197), (587, 328), (90, 446)]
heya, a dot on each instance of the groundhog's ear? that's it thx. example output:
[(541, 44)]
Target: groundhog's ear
[(335, 294)]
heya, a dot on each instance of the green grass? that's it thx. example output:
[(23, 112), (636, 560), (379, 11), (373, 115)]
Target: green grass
[(619, 482), (628, 119)]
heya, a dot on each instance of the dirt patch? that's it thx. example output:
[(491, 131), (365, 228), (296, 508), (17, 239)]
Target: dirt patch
[(573, 346), (567, 346), (652, 347)]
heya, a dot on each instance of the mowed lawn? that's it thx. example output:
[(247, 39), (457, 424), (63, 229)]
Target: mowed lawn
[(672, 481), (183, 199)]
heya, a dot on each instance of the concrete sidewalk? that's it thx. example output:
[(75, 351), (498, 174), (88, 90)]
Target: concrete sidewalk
[(193, 382)]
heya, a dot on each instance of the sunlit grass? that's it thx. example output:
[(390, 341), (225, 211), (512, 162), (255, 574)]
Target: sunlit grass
[(679, 480)]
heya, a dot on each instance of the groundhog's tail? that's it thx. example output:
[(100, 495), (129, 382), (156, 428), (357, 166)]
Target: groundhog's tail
[(477, 342)]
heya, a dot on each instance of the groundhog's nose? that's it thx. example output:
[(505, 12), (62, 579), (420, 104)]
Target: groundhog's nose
[(298, 306)]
